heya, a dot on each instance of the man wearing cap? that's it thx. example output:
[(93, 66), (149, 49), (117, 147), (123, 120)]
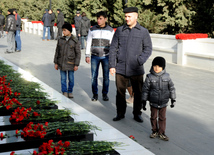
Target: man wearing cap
[(130, 48), (60, 22), (2, 23), (77, 20), (10, 29)]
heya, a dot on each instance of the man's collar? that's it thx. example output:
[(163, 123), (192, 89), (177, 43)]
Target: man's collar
[(102, 27), (127, 27)]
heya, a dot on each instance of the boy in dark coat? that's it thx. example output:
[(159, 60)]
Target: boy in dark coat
[(67, 59), (158, 88)]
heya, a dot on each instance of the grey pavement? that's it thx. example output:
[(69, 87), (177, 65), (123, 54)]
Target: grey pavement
[(190, 125)]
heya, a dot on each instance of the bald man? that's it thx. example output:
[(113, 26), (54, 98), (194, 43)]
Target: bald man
[(130, 48)]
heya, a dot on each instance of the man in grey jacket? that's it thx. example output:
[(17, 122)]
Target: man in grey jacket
[(10, 29), (130, 48), (2, 23), (85, 25)]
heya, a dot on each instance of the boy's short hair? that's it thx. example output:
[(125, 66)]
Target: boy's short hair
[(102, 13)]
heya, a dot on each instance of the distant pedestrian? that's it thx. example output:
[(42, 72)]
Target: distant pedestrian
[(60, 22), (18, 29), (98, 43), (130, 48), (77, 20), (52, 23), (67, 59), (10, 29), (158, 88), (85, 25), (2, 24), (46, 19)]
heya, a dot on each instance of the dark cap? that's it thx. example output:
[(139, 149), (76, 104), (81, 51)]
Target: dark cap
[(58, 10), (78, 12), (67, 26), (130, 9), (0, 11), (160, 61)]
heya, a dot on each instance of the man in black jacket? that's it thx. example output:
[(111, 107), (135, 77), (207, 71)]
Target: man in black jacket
[(2, 23), (130, 48), (52, 23), (18, 29), (10, 29), (60, 22), (77, 20)]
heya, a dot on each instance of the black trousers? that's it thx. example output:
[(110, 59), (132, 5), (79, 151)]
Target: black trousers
[(121, 84), (52, 32), (59, 34)]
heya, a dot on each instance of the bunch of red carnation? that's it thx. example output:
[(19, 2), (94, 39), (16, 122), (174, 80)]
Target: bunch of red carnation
[(34, 130), (183, 36), (6, 93), (20, 114), (53, 148)]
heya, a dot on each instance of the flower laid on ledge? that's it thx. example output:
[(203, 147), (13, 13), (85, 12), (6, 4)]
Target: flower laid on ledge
[(77, 148), (41, 130), (21, 115), (6, 99), (183, 36), (132, 137)]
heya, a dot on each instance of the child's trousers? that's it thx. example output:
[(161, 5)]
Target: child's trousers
[(160, 124)]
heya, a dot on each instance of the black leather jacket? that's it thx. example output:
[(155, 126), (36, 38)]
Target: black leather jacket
[(10, 23), (158, 88)]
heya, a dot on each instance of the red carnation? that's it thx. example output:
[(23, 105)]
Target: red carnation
[(12, 153), (37, 102)]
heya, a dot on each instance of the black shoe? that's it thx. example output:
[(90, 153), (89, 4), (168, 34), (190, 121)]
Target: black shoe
[(118, 117), (95, 97), (105, 97), (138, 118)]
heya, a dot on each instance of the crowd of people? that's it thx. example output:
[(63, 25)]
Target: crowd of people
[(12, 26), (121, 53)]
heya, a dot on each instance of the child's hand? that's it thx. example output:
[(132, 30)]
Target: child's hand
[(75, 68), (56, 66), (172, 103)]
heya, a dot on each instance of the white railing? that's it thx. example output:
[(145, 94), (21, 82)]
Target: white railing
[(196, 53)]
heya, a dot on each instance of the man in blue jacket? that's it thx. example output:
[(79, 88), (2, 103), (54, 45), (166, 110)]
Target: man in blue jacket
[(130, 48)]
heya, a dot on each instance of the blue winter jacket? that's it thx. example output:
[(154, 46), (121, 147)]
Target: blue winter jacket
[(129, 50)]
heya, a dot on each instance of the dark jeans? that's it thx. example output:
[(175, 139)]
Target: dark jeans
[(18, 40), (161, 113), (64, 75), (52, 32), (83, 39), (95, 63), (121, 84)]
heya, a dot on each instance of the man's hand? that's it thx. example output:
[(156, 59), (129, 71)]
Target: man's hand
[(87, 59), (56, 66), (112, 71), (75, 68), (79, 35), (6, 32)]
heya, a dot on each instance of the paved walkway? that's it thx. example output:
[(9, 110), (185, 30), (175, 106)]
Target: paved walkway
[(190, 125)]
